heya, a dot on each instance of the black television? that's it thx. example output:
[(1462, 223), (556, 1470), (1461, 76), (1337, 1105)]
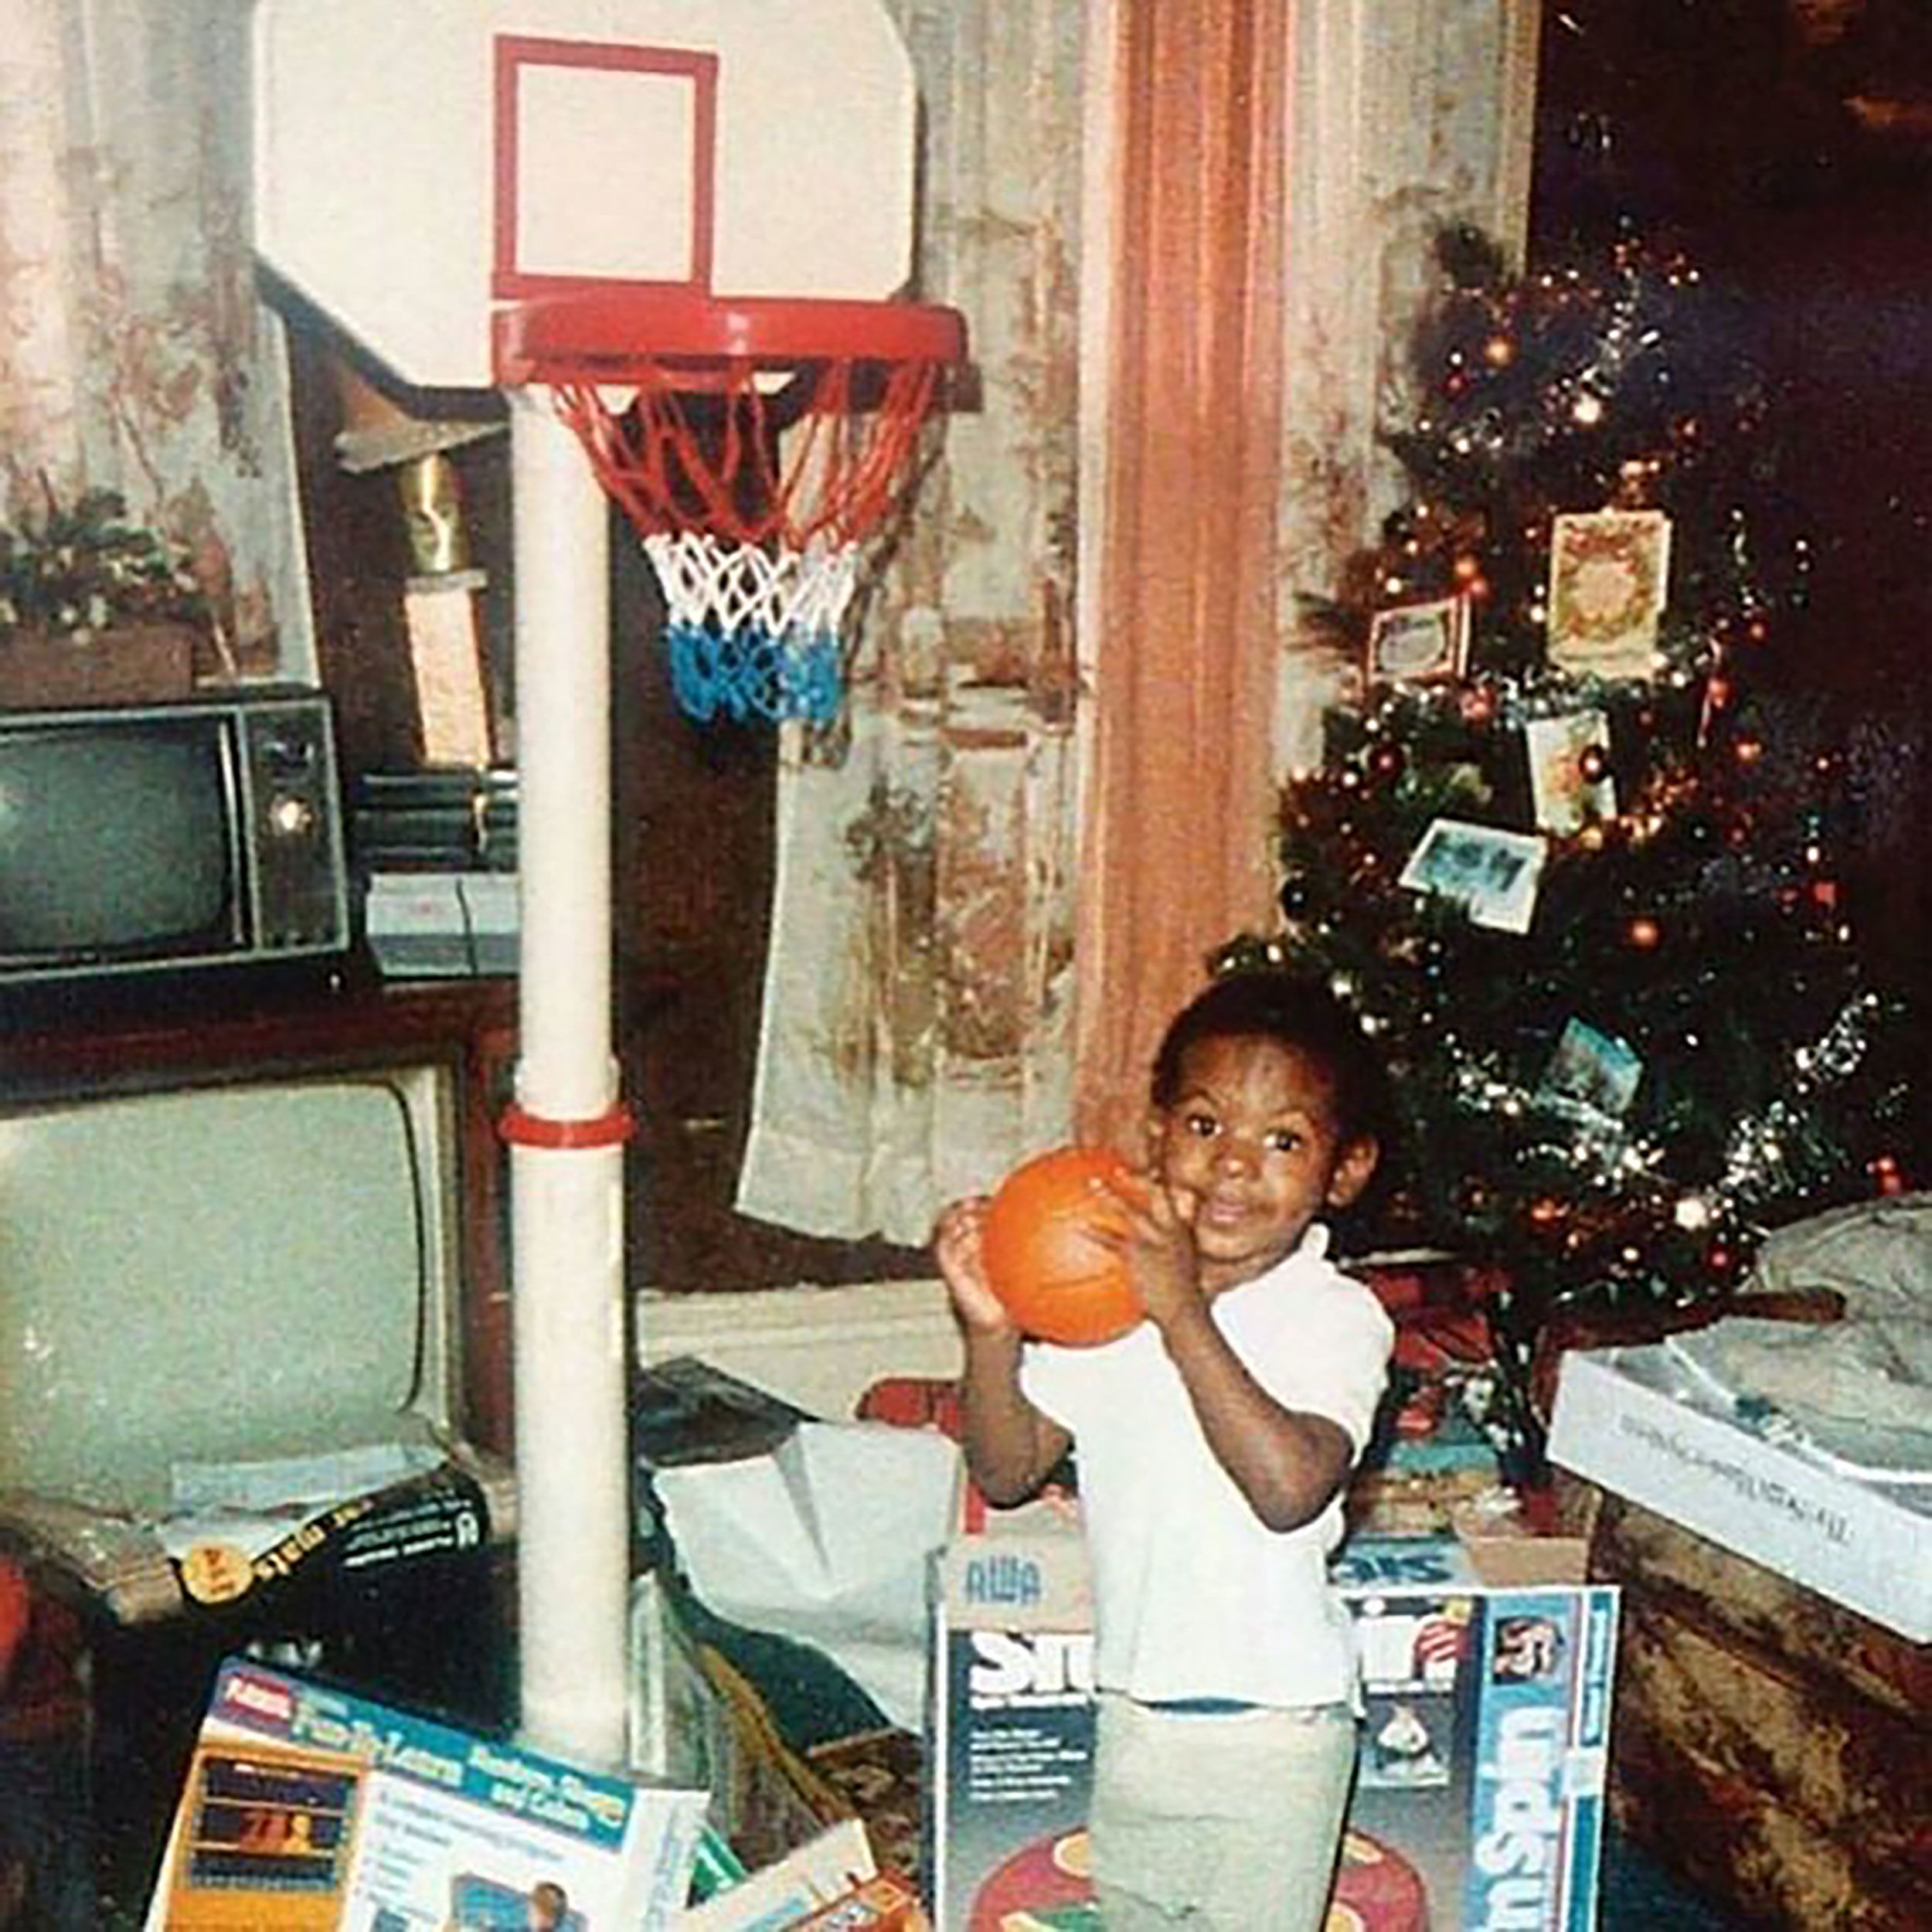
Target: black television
[(151, 838)]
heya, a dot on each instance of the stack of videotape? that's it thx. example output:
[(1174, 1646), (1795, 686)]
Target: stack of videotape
[(437, 850)]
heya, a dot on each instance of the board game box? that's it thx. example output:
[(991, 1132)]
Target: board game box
[(307, 1807), (1478, 1805)]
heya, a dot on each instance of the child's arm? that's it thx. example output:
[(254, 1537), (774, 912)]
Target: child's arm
[(1288, 1464), (1011, 1447)]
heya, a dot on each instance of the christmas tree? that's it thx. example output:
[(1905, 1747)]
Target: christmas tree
[(1574, 860)]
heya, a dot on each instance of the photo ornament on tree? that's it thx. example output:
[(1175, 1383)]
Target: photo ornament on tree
[(1570, 781), (1419, 643), (1491, 873), (1590, 1073)]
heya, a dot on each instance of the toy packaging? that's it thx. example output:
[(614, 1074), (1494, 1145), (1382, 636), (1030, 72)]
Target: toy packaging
[(307, 1807), (1479, 1791)]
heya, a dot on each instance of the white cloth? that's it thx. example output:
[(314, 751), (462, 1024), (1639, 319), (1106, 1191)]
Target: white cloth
[(1194, 1596), (825, 1540)]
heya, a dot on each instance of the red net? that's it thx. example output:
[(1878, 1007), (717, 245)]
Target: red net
[(823, 456), (753, 444)]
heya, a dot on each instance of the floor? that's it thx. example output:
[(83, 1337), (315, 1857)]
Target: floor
[(1639, 1895)]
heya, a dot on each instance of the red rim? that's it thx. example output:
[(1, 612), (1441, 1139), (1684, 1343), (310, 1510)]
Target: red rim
[(599, 333)]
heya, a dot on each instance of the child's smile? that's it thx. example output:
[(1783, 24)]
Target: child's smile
[(1251, 1136)]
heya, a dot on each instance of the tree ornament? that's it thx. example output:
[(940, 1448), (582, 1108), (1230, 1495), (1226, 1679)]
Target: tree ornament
[(1593, 762), (1644, 934)]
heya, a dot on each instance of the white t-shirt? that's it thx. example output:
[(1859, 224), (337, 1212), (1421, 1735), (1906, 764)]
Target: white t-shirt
[(1194, 1596)]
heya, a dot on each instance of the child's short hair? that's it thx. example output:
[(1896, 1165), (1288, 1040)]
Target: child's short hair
[(1296, 1011)]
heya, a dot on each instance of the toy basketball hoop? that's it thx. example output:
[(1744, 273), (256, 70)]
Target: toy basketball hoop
[(755, 445)]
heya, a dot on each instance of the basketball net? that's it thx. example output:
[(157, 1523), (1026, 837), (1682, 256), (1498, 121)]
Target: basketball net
[(754, 489)]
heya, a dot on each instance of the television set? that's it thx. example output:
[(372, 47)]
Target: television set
[(239, 1239), (145, 838), (265, 1229)]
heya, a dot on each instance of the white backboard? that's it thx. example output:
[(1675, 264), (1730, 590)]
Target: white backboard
[(419, 162)]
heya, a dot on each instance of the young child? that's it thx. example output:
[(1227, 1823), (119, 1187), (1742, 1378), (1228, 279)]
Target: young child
[(1214, 1440)]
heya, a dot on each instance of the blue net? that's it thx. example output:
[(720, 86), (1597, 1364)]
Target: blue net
[(753, 630), (747, 676)]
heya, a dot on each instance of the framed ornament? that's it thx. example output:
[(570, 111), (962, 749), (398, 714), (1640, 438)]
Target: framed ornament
[(1591, 1074), (1419, 643), (1609, 581), (1492, 874)]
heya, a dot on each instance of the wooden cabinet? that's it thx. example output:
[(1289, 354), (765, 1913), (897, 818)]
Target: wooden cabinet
[(431, 1632), (1769, 1745)]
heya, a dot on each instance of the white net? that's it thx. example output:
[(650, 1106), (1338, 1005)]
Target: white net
[(738, 589)]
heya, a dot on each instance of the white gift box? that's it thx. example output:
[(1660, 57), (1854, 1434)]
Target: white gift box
[(1643, 1423)]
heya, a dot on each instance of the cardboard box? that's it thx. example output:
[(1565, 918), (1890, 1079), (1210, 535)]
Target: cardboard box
[(1479, 1800), (307, 1807), (1636, 1421), (1510, 1546)]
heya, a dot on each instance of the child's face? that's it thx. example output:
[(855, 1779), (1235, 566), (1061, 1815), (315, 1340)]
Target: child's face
[(1252, 1136)]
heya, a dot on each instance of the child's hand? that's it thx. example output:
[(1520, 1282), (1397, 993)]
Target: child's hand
[(958, 1247), (1158, 1243)]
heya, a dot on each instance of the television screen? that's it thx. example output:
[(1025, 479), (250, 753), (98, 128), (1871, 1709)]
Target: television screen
[(117, 843), (231, 1272)]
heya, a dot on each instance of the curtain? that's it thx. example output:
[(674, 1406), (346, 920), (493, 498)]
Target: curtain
[(134, 355), (1186, 638), (916, 1032)]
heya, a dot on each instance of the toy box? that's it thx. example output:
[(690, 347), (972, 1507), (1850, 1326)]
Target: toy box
[(309, 1807), (1479, 1798)]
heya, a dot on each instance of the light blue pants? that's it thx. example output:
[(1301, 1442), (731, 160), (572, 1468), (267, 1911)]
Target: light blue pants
[(1227, 1822)]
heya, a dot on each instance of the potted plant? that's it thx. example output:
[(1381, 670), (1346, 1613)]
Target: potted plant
[(94, 610)]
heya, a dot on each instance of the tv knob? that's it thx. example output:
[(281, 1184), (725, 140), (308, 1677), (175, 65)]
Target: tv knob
[(292, 817), (288, 752)]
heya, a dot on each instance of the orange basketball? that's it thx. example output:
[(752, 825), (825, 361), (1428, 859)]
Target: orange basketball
[(1057, 1281)]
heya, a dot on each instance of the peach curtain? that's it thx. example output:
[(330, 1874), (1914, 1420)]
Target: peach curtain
[(1179, 852)]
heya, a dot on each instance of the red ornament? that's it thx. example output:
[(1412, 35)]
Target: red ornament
[(1057, 1282), (1643, 933)]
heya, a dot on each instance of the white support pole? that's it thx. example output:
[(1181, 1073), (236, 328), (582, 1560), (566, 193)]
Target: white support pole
[(567, 1129)]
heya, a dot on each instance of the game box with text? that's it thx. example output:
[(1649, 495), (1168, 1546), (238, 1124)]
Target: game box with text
[(1479, 1796), (307, 1807)]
